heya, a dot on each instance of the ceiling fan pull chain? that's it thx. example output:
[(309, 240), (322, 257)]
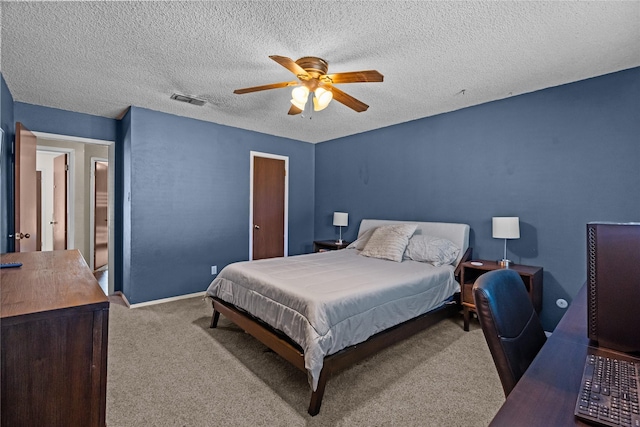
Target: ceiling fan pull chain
[(308, 107)]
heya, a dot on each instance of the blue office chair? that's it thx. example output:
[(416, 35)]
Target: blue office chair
[(509, 323)]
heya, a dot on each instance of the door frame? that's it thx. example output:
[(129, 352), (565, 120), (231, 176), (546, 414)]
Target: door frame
[(92, 209), (252, 155), (111, 186), (70, 186)]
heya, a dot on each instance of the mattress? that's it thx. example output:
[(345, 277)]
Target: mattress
[(328, 301)]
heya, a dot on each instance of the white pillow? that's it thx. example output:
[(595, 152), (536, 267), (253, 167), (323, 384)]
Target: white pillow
[(434, 250), (389, 241), (361, 241)]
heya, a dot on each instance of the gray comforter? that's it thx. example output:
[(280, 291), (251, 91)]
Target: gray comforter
[(328, 301)]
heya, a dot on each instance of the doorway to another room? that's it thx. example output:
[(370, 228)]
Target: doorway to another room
[(88, 199)]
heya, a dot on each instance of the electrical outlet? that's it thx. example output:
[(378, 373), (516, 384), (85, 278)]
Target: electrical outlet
[(214, 270)]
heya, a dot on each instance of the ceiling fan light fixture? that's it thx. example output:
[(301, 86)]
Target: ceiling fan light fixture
[(321, 99), (315, 86), (300, 94)]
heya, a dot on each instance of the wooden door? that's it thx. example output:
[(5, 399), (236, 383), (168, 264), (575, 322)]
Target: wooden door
[(26, 209), (100, 226), (268, 207), (59, 221)]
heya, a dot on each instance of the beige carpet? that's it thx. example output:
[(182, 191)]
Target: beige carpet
[(167, 368)]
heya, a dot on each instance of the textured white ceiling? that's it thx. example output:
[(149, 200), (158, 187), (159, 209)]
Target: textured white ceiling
[(101, 57)]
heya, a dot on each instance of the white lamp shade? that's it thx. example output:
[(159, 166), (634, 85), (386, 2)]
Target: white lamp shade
[(321, 99), (506, 227), (340, 219), (300, 94), (300, 105)]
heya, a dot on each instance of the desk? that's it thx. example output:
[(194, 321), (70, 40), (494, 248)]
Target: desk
[(547, 392)]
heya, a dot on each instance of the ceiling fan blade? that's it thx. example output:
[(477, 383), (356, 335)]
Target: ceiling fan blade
[(294, 110), (354, 77), (290, 65), (265, 87), (348, 100)]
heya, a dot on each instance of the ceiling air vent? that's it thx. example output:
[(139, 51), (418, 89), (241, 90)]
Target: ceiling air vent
[(188, 99)]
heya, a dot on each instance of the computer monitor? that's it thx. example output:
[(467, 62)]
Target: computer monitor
[(613, 285)]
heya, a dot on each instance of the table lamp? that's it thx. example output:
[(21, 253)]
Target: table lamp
[(340, 219), (505, 227)]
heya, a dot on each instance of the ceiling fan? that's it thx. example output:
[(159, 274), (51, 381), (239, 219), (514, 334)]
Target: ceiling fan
[(313, 81)]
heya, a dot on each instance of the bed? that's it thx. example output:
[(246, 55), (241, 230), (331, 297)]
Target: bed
[(325, 311)]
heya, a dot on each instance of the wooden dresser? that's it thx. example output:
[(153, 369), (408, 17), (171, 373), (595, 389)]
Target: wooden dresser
[(54, 321)]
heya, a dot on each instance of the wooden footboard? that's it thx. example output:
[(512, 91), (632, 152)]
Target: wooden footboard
[(261, 331), (336, 362)]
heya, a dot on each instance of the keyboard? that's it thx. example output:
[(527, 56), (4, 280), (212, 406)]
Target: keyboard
[(609, 392)]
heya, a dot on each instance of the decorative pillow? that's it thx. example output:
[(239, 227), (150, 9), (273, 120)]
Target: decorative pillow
[(361, 242), (389, 241), (434, 250)]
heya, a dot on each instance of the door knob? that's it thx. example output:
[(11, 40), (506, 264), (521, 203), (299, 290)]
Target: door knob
[(257, 227), (53, 222), (22, 236)]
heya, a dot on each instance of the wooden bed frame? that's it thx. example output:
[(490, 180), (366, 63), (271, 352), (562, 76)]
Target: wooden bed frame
[(290, 351)]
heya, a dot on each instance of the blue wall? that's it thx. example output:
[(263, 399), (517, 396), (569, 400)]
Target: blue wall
[(62, 122), (189, 201), (557, 158), (6, 167)]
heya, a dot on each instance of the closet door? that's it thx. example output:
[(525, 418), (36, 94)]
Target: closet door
[(268, 207)]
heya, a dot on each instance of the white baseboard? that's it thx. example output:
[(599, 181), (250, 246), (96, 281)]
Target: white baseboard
[(163, 300), (124, 298)]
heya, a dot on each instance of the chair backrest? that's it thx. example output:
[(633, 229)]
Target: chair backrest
[(509, 322)]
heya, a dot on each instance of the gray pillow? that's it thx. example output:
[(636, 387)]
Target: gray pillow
[(389, 241), (434, 250)]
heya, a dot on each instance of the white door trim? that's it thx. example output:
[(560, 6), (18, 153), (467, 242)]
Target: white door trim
[(254, 154), (57, 137)]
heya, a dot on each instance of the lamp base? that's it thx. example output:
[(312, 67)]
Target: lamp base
[(339, 241), (504, 263)]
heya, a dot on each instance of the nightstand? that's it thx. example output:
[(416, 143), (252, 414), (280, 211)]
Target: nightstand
[(470, 271), (328, 245)]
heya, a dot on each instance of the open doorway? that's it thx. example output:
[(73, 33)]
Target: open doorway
[(82, 154)]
